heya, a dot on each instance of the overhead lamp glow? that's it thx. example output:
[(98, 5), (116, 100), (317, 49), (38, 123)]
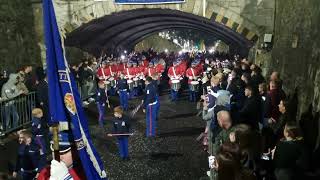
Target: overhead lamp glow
[(122, 57), (180, 52), (166, 50), (125, 51)]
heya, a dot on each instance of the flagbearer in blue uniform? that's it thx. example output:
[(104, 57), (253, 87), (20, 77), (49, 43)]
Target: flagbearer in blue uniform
[(121, 129), (122, 87), (150, 107), (101, 100), (155, 84), (65, 108)]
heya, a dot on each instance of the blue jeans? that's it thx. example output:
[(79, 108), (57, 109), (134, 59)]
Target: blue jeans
[(123, 146), (11, 110)]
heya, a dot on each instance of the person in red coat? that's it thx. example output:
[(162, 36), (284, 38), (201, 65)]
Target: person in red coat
[(121, 67), (141, 68), (128, 71), (102, 71), (69, 166), (175, 73), (193, 74), (149, 71)]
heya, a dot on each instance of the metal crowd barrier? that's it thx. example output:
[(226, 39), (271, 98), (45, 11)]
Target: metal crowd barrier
[(16, 112)]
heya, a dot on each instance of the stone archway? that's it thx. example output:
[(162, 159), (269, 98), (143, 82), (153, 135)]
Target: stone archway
[(228, 15), (124, 29)]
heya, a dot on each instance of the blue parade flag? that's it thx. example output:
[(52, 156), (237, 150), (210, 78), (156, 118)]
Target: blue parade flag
[(148, 1), (64, 100)]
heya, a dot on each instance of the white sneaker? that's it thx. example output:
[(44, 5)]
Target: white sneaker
[(91, 100), (208, 173)]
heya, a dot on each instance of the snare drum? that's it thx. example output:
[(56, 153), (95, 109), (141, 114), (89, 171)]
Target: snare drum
[(175, 84), (107, 85), (113, 82), (130, 84), (194, 86), (135, 82)]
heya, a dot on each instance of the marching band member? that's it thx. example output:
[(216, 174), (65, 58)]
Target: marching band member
[(121, 126), (129, 75), (128, 71), (192, 74), (159, 70), (150, 70), (102, 71), (155, 84), (136, 73), (112, 72), (175, 73), (150, 108), (101, 100), (123, 88), (121, 66)]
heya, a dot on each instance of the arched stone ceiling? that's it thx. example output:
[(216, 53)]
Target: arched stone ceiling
[(124, 29)]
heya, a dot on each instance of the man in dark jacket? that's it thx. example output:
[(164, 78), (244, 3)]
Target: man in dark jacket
[(251, 112)]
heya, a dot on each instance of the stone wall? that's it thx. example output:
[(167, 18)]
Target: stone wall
[(18, 44), (296, 51)]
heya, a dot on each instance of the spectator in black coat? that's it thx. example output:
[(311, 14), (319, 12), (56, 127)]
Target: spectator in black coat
[(266, 100), (251, 111), (43, 97), (289, 156), (256, 76)]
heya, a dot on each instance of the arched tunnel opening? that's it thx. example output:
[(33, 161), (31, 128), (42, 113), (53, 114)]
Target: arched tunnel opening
[(123, 30)]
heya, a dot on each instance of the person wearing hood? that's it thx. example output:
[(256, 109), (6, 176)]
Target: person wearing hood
[(10, 91)]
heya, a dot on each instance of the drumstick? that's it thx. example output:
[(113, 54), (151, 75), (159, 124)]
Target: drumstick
[(121, 134)]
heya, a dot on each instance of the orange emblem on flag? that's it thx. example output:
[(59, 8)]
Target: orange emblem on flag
[(70, 104)]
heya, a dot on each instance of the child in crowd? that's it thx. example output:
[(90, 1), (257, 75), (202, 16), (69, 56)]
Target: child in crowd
[(37, 129)]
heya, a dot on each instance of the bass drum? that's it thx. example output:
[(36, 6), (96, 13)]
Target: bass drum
[(175, 84), (135, 82), (113, 82), (130, 84), (194, 86)]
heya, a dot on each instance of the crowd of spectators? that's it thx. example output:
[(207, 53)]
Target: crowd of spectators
[(251, 133)]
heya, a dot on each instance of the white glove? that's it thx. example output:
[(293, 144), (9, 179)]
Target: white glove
[(59, 171)]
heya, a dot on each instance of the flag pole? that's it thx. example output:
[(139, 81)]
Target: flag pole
[(55, 138)]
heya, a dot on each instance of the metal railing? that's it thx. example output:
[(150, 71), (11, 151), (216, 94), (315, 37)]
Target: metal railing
[(16, 112)]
